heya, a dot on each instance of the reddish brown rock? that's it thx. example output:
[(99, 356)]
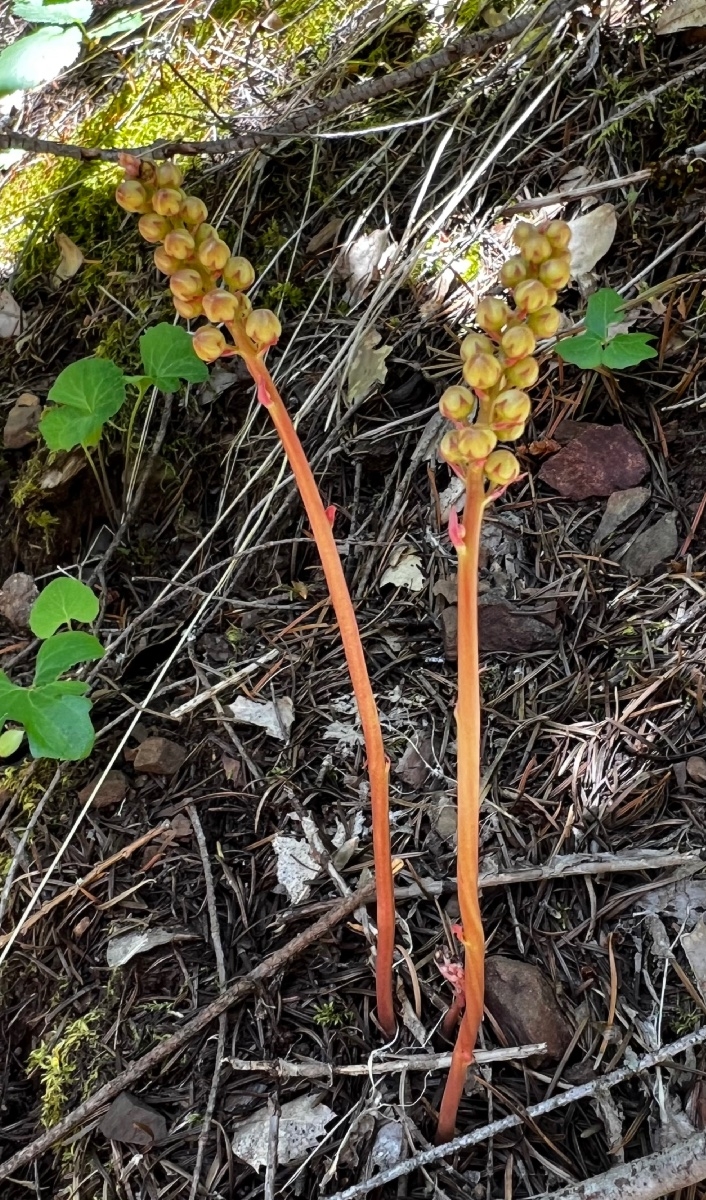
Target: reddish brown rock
[(112, 791), (522, 1002), (603, 459), (159, 756), (449, 629)]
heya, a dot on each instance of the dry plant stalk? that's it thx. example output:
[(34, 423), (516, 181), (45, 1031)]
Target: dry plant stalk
[(498, 366), (196, 260)]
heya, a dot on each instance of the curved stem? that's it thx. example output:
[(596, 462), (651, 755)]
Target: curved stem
[(378, 765), (468, 730)]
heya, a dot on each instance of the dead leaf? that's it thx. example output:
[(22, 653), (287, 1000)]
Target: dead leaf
[(138, 941), (302, 1123), (592, 236), (325, 237), (410, 1020), (611, 1114), (10, 315), (694, 944), (231, 767), (361, 262), (368, 366), (413, 767), (404, 570), (389, 1146), (296, 867), (70, 260), (276, 717), (683, 14), (696, 769), (272, 21)]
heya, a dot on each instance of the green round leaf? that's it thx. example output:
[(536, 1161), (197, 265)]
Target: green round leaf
[(63, 600), (10, 741), (86, 394), (38, 58), (62, 652), (63, 12), (168, 356)]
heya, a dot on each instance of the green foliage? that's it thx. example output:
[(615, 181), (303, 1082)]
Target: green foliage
[(61, 12), (597, 347), (59, 1063), (54, 712), (38, 58), (330, 1015), (89, 392)]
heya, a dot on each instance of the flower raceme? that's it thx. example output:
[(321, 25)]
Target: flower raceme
[(498, 364), (205, 279)]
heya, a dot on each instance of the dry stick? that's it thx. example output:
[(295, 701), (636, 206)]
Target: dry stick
[(646, 1178), (237, 991), (571, 1096), (468, 727), (378, 765), (306, 118)]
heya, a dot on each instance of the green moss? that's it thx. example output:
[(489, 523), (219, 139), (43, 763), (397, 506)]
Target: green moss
[(286, 294), (26, 486), (58, 1063)]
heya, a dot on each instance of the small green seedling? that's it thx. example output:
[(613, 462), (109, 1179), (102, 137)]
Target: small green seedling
[(91, 391), (54, 712), (598, 347)]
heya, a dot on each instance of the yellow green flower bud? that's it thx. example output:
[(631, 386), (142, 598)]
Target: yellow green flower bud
[(511, 406), (204, 232), (475, 343), (457, 403), (517, 342), (238, 273), (448, 448), (510, 433), (193, 210), (213, 254), (179, 244), (552, 297), (537, 248), (521, 232), (554, 273), (209, 343), (131, 165), (501, 467), (168, 175), (262, 327), (492, 314), (476, 442), (558, 233), (545, 323), (482, 371), (153, 227), (513, 271), (167, 202), (186, 284), (531, 295), (189, 309), (164, 262), (131, 196), (220, 305), (522, 374)]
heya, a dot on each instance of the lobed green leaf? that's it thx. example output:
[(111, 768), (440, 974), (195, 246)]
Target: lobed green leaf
[(583, 351), (62, 652), (55, 717), (168, 356), (62, 601), (627, 350), (602, 311), (86, 395)]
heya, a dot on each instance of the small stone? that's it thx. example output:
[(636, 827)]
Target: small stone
[(449, 629), (505, 629), (619, 508), (130, 1120), (444, 818), (522, 1001), (159, 756), (22, 421), (603, 459), (112, 790), (652, 546), (17, 595), (696, 769)]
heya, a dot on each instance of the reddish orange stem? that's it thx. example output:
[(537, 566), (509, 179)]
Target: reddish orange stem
[(378, 765), (468, 730)]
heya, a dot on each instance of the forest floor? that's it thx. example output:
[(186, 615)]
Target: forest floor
[(385, 222)]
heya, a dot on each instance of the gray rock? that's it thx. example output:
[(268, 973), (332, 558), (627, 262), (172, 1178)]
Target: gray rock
[(17, 595), (22, 421), (522, 1002), (130, 1120), (159, 756), (449, 627), (619, 508), (652, 547), (506, 629)]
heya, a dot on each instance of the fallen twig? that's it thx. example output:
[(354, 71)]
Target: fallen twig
[(171, 1045), (313, 114), (600, 1083), (283, 1068), (646, 1178)]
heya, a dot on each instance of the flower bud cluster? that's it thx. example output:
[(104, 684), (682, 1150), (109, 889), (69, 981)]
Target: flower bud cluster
[(499, 364), (205, 279)]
